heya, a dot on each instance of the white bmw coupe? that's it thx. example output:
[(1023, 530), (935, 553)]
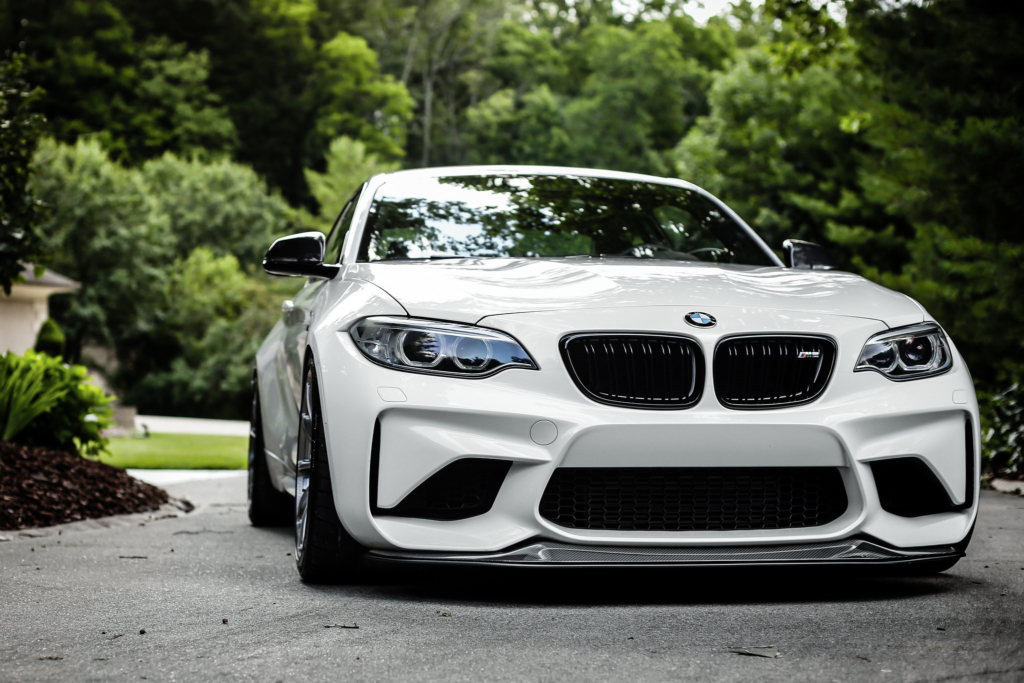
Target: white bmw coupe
[(556, 366)]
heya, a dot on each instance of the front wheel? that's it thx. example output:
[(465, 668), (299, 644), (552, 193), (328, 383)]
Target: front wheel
[(324, 551)]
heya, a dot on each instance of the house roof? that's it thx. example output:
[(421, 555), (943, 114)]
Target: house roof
[(48, 279)]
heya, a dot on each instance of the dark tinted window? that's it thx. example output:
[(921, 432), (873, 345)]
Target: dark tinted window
[(332, 253), (549, 216)]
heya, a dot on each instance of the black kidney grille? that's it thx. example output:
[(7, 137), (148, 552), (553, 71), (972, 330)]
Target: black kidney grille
[(771, 372), (693, 498), (636, 371)]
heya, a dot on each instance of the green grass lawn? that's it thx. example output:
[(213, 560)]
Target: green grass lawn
[(179, 452)]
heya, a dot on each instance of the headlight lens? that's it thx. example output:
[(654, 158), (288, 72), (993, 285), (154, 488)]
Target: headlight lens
[(907, 352), (438, 348)]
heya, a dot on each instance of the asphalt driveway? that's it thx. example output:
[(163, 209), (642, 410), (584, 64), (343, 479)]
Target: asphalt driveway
[(73, 607)]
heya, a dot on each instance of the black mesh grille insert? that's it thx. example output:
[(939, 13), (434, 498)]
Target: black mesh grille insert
[(771, 372), (636, 370), (465, 488), (693, 498)]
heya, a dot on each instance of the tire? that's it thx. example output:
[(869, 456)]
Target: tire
[(267, 506), (324, 551)]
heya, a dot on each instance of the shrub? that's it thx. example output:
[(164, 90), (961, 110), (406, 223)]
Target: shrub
[(1004, 440), (44, 402), (50, 339)]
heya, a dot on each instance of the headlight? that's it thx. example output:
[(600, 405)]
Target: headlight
[(438, 348), (907, 353)]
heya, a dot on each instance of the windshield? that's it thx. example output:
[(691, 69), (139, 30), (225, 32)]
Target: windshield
[(550, 216)]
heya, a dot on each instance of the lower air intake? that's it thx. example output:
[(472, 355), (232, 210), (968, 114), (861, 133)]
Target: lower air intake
[(465, 488), (693, 498), (907, 487)]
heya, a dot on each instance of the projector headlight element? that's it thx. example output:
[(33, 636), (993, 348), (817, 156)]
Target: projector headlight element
[(438, 348), (907, 353)]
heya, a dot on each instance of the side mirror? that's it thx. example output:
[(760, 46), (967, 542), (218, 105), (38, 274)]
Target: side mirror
[(299, 255), (800, 254)]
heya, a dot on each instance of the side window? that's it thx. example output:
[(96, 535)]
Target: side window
[(337, 239)]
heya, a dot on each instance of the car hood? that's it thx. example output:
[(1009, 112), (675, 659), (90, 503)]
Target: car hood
[(466, 290)]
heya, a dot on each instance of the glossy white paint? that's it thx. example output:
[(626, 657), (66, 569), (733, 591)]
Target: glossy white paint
[(428, 421), (467, 290)]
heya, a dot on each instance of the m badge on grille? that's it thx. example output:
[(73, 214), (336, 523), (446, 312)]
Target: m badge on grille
[(808, 354), (698, 319)]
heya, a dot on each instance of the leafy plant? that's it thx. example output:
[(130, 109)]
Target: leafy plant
[(1004, 441), (50, 339), (24, 393), (44, 402)]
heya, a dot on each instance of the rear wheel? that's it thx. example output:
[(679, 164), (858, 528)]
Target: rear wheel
[(324, 551), (267, 505)]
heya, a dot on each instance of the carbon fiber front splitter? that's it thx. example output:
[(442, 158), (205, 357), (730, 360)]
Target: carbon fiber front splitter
[(546, 553)]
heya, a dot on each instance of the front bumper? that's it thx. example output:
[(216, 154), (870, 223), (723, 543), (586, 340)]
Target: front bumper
[(427, 422)]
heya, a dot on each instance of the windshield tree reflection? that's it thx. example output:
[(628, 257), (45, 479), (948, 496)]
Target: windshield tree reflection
[(550, 216)]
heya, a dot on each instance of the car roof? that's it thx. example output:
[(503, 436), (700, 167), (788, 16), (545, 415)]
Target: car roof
[(522, 170)]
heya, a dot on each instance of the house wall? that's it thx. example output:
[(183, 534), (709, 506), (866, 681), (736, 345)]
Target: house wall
[(21, 315)]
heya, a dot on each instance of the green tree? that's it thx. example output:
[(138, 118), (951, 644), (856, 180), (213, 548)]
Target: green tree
[(140, 97), (436, 49), (947, 126), (638, 99), (348, 165), (219, 204), (219, 319), (506, 129), (784, 150), (291, 76), (104, 231), (19, 134), (357, 101), (124, 233)]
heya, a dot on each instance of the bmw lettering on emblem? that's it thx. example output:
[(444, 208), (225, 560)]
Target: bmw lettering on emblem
[(698, 319)]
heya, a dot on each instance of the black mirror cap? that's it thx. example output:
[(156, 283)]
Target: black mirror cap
[(300, 255), (807, 255)]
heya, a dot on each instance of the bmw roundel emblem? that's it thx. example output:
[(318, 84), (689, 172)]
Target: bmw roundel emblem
[(698, 319)]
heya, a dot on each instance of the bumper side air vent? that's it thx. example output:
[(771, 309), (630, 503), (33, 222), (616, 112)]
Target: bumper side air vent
[(761, 372), (462, 489), (659, 372), (907, 487), (693, 498)]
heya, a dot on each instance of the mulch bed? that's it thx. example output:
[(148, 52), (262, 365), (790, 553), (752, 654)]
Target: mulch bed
[(43, 487)]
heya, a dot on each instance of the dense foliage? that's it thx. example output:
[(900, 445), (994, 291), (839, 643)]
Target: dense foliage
[(1004, 440), (44, 402), (156, 250), (186, 134), (20, 126)]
